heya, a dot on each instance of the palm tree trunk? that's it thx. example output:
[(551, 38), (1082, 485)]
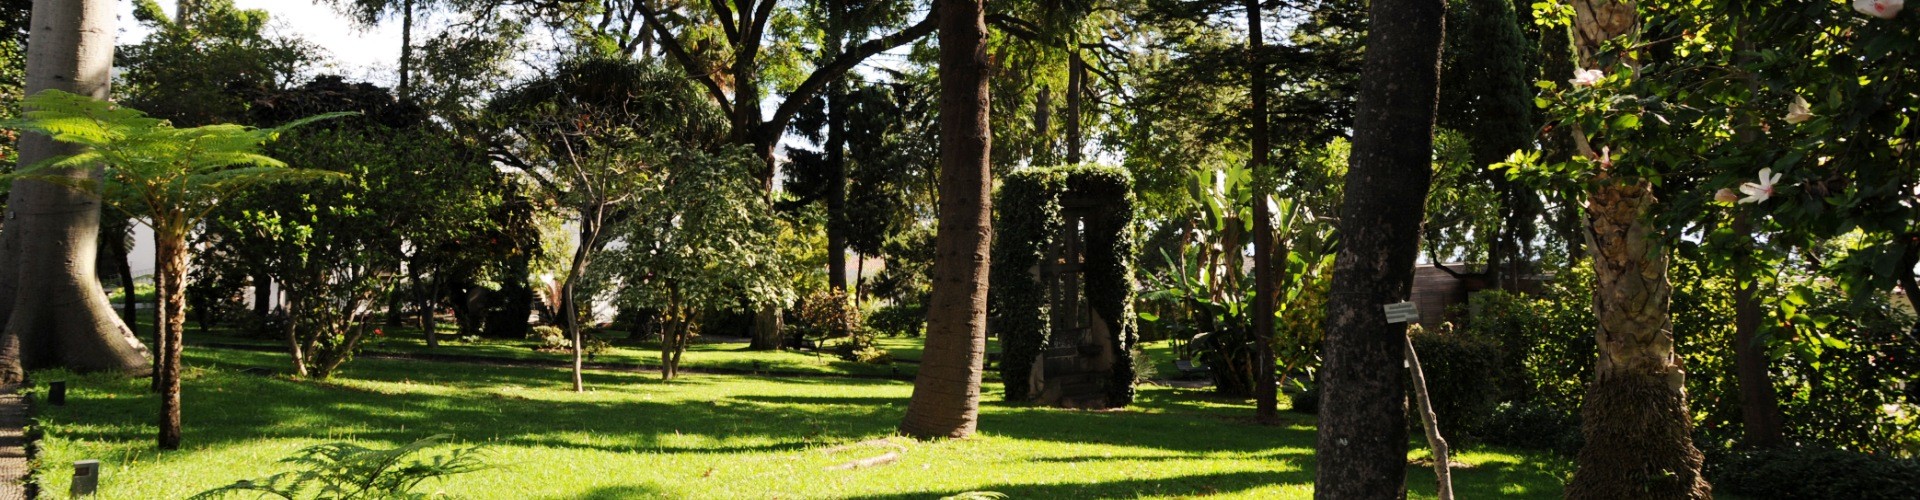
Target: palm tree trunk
[(1363, 425), (51, 303), (1635, 420), (946, 393)]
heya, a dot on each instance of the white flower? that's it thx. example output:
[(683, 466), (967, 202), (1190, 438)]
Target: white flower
[(1725, 195), (1884, 9), (1757, 193), (1799, 111), (1586, 77)]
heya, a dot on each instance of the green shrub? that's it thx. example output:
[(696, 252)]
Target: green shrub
[(1532, 426), (350, 471), (1459, 370), (825, 314), (895, 320), (552, 338), (1815, 473)]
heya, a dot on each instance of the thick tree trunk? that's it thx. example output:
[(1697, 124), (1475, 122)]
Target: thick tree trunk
[(1265, 393), (1639, 434), (170, 253), (1363, 429), (51, 303), (946, 393)]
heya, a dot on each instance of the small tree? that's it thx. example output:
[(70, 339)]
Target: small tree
[(170, 178), (700, 235)]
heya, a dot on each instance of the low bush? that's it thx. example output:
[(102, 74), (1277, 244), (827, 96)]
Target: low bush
[(897, 320), (1814, 473), (1459, 370)]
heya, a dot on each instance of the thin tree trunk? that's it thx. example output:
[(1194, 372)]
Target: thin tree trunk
[(569, 310), (262, 296), (1442, 466), (406, 50), (52, 306), (1363, 442), (1759, 404), (170, 250), (946, 393), (1076, 92), (1265, 393), (837, 219), (1635, 420), (129, 300), (294, 346)]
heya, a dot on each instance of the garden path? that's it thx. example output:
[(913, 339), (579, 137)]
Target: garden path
[(13, 444)]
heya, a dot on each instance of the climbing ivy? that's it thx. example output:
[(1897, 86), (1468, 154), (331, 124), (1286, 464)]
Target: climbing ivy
[(1028, 220)]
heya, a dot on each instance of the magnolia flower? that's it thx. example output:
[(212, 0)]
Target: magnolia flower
[(1799, 111), (1884, 9), (1757, 193), (1586, 77), (1725, 195)]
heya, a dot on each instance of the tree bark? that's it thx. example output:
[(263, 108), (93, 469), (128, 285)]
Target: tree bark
[(1076, 92), (1635, 420), (569, 309), (406, 50), (837, 219), (1638, 430), (946, 393), (1759, 404), (170, 253), (1265, 393), (1363, 430), (51, 303)]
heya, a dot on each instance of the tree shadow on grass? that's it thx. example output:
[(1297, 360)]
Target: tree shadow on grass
[(1182, 486), (620, 493)]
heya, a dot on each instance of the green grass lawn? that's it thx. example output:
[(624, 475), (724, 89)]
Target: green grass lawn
[(706, 436)]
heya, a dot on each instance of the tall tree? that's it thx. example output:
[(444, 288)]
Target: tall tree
[(1635, 420), (1266, 408), (1363, 428), (946, 393), (51, 303)]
